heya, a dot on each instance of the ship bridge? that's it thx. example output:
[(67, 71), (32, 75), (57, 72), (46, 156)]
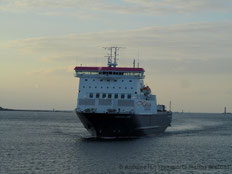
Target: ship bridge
[(114, 89), (109, 72)]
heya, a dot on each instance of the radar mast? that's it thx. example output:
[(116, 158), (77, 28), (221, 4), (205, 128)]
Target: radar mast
[(112, 55)]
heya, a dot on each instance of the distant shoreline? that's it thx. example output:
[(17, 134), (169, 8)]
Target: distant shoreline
[(31, 110), (36, 110)]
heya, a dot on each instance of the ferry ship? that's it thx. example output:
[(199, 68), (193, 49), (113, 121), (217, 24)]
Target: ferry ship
[(113, 101)]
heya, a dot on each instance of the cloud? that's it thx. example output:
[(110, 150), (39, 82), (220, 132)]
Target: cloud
[(199, 47), (60, 58), (180, 6), (57, 71), (147, 7), (190, 66), (35, 4)]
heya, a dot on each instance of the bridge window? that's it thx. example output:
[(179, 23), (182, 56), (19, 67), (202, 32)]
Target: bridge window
[(91, 95), (129, 96), (104, 95), (97, 95), (122, 96), (115, 95), (109, 95)]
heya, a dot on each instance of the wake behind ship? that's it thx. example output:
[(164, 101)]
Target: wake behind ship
[(113, 102)]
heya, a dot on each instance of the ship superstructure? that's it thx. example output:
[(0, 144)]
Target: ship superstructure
[(114, 102)]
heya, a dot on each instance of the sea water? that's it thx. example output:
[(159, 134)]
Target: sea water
[(57, 142)]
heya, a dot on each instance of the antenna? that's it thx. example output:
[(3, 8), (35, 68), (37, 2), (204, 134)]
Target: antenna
[(138, 59), (170, 106), (134, 63), (112, 55)]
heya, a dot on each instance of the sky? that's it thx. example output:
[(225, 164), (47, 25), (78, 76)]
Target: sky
[(185, 47)]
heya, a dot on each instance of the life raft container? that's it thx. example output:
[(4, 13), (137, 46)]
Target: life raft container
[(146, 90)]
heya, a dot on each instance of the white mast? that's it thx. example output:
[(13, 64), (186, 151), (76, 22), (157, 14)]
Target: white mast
[(112, 55)]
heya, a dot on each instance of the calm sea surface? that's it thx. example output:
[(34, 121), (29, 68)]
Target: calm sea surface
[(56, 142)]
